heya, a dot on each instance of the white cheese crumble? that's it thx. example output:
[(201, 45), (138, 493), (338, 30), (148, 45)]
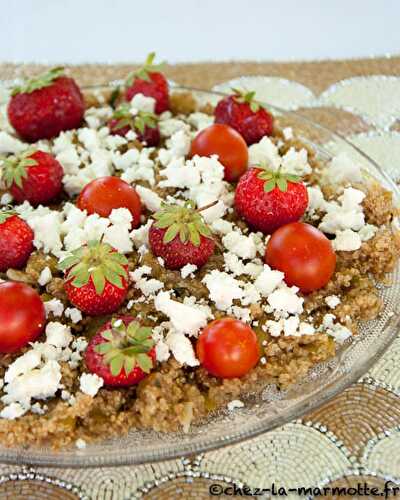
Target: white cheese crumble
[(188, 270), (239, 244), (45, 276), (54, 306), (90, 383), (57, 334), (185, 318), (223, 288), (149, 198), (332, 301)]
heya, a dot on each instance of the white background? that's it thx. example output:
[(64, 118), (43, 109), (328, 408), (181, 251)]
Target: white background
[(192, 30)]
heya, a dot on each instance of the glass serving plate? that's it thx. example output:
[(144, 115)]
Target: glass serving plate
[(271, 408)]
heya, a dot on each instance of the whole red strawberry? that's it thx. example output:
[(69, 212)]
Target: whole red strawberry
[(267, 200), (34, 176), (121, 353), (243, 113), (16, 241), (46, 105), (150, 82), (96, 279), (180, 236), (144, 124)]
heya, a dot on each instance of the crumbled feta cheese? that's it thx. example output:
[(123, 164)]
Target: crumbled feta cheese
[(339, 332), (140, 102), (45, 276), (22, 365), (223, 288), (222, 226), (74, 314), (215, 212), (265, 152), (332, 301), (200, 120), (90, 383), (239, 244), (188, 270), (367, 232), (54, 306), (9, 144), (268, 280), (184, 318), (39, 383), (149, 198), (12, 411), (58, 334), (181, 349), (347, 241), (285, 299), (140, 236)]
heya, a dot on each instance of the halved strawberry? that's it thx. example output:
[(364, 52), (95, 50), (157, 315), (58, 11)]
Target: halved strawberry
[(34, 176), (46, 105), (267, 200), (149, 81), (16, 241), (96, 279), (180, 236), (246, 115), (143, 123), (122, 352)]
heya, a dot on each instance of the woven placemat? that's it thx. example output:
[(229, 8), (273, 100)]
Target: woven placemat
[(316, 75)]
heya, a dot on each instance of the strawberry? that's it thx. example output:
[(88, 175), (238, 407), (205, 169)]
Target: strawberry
[(143, 123), (96, 279), (267, 200), (16, 241), (150, 82), (121, 353), (34, 176), (46, 105), (243, 113), (180, 236)]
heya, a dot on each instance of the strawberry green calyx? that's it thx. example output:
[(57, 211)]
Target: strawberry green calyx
[(97, 261), (144, 72), (6, 213), (247, 97), (276, 179), (14, 168), (138, 122), (182, 220), (39, 82), (126, 346)]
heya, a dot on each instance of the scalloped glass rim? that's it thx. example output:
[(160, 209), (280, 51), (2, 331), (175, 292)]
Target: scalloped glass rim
[(260, 414)]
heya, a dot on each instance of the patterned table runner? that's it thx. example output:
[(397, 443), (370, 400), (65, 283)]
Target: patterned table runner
[(353, 439)]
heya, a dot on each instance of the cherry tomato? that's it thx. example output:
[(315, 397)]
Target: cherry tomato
[(229, 145), (102, 195), (303, 253), (228, 348), (22, 316)]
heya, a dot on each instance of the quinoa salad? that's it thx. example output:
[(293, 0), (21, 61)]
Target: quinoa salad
[(162, 259)]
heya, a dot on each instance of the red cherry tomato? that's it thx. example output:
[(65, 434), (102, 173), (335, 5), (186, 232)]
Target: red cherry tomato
[(303, 253), (102, 195), (22, 316), (228, 348), (229, 145)]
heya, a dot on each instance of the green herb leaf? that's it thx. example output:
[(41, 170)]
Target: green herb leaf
[(39, 82)]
